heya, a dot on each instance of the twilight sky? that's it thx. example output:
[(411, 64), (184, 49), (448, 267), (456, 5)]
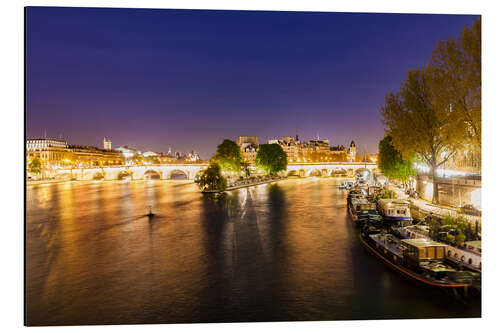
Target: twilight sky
[(154, 79)]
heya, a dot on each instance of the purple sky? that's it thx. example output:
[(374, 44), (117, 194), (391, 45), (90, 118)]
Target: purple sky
[(154, 79)]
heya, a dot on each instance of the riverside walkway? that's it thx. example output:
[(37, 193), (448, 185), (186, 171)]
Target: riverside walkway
[(426, 207)]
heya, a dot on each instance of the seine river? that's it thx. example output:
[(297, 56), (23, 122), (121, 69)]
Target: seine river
[(275, 252)]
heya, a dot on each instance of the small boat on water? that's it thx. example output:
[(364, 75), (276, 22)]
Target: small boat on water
[(395, 210), (363, 212), (419, 259)]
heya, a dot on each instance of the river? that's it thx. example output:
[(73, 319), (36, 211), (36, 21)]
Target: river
[(275, 252)]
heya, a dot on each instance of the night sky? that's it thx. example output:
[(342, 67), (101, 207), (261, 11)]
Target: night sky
[(154, 79)]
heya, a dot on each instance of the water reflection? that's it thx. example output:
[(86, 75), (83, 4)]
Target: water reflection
[(282, 251)]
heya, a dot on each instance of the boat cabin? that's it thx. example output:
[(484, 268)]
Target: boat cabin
[(363, 205), (373, 190), (422, 249), (395, 210)]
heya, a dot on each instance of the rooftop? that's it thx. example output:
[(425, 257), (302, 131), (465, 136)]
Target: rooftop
[(421, 242), (476, 244)]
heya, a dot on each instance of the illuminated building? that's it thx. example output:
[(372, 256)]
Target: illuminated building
[(352, 151), (53, 152), (249, 146), (47, 150), (93, 156), (289, 145), (107, 144)]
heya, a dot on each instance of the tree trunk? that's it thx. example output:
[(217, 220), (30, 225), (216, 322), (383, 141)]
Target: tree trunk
[(435, 190)]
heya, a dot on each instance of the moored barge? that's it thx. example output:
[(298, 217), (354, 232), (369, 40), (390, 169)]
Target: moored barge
[(395, 210), (363, 212), (421, 260)]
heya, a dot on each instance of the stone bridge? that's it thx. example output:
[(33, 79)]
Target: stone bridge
[(161, 171), (326, 169), (189, 171)]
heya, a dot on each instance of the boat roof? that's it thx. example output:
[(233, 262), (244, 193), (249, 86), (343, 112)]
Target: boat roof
[(476, 243), (421, 242), (362, 200), (394, 201)]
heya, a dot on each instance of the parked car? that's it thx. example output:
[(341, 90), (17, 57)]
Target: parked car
[(470, 210)]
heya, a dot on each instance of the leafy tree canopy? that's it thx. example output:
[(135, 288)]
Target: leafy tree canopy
[(212, 179), (35, 166), (391, 162), (271, 158), (229, 156), (456, 64), (417, 125)]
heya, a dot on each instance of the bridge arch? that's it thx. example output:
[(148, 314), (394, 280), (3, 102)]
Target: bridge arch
[(99, 175), (314, 173), (152, 174), (124, 174), (178, 174), (292, 173)]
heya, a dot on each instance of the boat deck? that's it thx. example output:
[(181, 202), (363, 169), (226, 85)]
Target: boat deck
[(390, 246)]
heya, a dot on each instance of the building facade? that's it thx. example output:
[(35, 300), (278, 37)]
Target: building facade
[(312, 151), (249, 146), (93, 156), (290, 145), (107, 144), (58, 153), (352, 151), (47, 150)]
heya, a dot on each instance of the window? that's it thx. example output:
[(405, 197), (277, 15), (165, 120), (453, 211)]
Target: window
[(470, 261)]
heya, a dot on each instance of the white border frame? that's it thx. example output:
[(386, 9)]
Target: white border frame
[(12, 87)]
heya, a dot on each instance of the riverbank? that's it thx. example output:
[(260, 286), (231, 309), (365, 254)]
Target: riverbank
[(59, 181), (46, 181), (424, 207), (245, 184)]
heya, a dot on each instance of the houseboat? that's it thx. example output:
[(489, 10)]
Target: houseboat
[(419, 259), (355, 193), (468, 256), (363, 211), (394, 210)]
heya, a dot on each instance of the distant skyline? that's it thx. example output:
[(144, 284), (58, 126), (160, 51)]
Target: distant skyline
[(187, 79)]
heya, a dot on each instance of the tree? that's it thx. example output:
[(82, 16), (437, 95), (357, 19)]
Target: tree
[(35, 166), (271, 158), (391, 162), (229, 156), (418, 126), (212, 179), (456, 66)]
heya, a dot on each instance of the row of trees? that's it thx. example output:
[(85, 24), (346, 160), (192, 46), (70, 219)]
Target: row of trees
[(228, 160), (437, 110)]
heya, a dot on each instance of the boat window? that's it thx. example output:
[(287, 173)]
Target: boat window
[(439, 252), (449, 253), (462, 258), (455, 256), (431, 252), (470, 261)]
